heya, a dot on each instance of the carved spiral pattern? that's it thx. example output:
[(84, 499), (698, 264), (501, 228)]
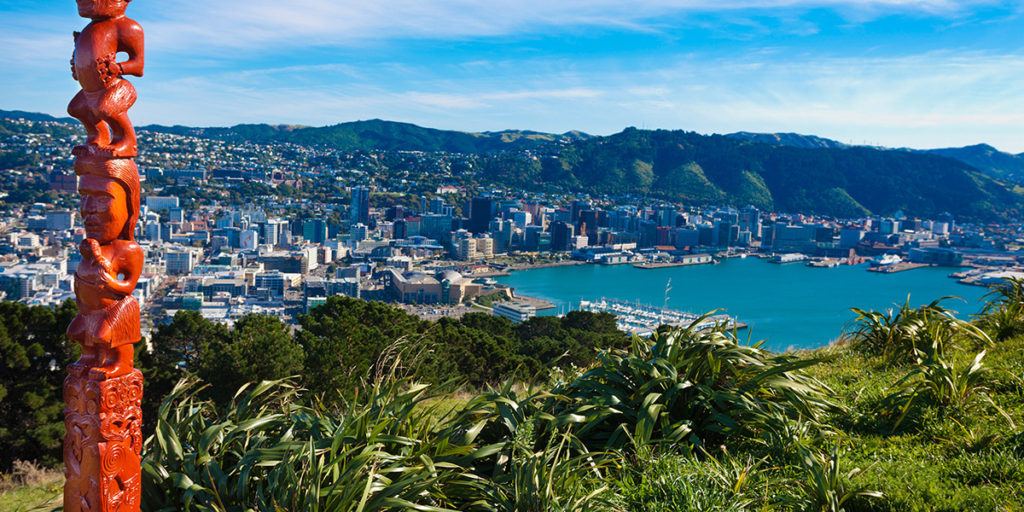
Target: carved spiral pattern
[(134, 392), (114, 459), (112, 400)]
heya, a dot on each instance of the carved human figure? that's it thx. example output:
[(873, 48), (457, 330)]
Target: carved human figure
[(102, 104), (108, 320)]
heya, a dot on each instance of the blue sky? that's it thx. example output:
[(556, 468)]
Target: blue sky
[(913, 73)]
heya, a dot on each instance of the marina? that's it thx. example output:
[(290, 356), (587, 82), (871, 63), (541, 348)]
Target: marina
[(642, 320), (790, 306)]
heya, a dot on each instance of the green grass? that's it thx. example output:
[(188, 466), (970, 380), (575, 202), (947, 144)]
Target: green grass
[(944, 458), (42, 496)]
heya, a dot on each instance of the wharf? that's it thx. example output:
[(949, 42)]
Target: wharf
[(671, 264), (823, 263), (898, 267)]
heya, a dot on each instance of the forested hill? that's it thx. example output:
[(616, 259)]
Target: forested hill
[(712, 169), (379, 134), (985, 158)]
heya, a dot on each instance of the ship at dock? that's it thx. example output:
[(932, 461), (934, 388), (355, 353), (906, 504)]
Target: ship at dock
[(643, 320), (885, 260)]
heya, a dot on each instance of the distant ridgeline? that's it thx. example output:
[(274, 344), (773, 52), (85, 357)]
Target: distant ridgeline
[(776, 172)]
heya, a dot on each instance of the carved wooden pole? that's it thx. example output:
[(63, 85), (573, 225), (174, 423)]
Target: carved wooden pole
[(103, 391)]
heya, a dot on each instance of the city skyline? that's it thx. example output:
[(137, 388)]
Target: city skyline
[(924, 74)]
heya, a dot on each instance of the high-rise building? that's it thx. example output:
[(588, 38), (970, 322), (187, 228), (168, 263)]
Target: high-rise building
[(315, 230), (561, 235), (750, 220), (359, 212), (248, 240), (501, 232), (481, 210), (484, 246), (465, 249)]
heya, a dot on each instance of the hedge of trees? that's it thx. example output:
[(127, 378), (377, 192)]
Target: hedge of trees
[(337, 348)]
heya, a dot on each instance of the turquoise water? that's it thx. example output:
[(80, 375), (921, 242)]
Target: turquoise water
[(789, 306)]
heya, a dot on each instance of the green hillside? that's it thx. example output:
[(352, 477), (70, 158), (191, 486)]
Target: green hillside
[(381, 135), (699, 169)]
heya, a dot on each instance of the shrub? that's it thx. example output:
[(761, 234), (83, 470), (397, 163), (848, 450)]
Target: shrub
[(264, 451), (689, 388), (940, 383), (1003, 314), (911, 334)]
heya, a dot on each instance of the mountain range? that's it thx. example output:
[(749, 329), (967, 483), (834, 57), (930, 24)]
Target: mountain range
[(778, 172)]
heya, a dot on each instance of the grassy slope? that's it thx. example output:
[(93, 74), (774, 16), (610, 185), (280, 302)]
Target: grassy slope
[(939, 459)]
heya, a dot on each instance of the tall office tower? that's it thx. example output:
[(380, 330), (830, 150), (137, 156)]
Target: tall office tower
[(359, 212), (481, 209), (576, 208), (501, 233), (561, 235), (315, 230), (273, 230)]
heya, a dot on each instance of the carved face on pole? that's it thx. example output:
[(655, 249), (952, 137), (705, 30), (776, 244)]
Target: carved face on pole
[(98, 9), (104, 208)]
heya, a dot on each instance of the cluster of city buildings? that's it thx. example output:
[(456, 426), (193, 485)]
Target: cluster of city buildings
[(415, 234)]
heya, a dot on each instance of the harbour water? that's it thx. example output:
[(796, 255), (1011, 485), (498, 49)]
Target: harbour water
[(789, 306)]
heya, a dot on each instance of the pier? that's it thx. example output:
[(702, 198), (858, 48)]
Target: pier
[(667, 264), (902, 266)]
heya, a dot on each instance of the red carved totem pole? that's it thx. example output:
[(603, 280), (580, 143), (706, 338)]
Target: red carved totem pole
[(103, 391)]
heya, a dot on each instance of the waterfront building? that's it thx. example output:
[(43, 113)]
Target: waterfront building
[(850, 237), (445, 287), (484, 246), (515, 312), (561, 235)]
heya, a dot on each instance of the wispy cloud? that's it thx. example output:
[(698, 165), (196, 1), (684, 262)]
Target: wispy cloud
[(472, 65), (259, 24), (925, 100)]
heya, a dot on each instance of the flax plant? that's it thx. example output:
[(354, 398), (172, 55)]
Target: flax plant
[(908, 334), (266, 452), (689, 387)]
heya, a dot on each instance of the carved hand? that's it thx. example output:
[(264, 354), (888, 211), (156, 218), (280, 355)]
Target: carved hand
[(90, 248)]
